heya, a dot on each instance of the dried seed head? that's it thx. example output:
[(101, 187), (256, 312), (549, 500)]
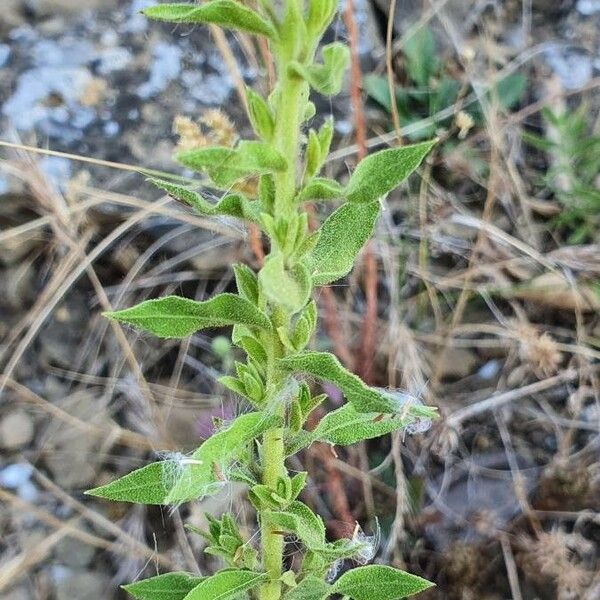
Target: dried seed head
[(559, 556), (464, 121), (189, 133), (222, 130), (539, 351)]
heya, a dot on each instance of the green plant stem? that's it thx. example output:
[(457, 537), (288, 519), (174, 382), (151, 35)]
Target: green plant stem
[(272, 542), (292, 101), (287, 136)]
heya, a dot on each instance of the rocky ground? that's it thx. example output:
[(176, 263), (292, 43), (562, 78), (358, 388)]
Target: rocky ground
[(501, 497)]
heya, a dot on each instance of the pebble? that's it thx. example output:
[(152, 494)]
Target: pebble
[(489, 370), (165, 67), (16, 430), (209, 88), (72, 552), (574, 69), (82, 585), (15, 475), (588, 7), (458, 363), (114, 59)]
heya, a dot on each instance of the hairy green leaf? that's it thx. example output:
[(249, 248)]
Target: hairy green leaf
[(419, 49), (306, 246), (226, 585), (326, 367), (381, 172), (225, 166), (325, 137), (247, 282), (260, 115), (298, 484), (175, 317), (342, 236), (235, 385), (170, 586), (232, 205), (225, 13), (266, 192), (301, 334), (325, 78), (299, 520), (310, 111), (380, 582), (310, 588), (346, 426), (185, 478), (154, 483), (292, 31), (321, 188), (290, 287), (320, 15), (313, 154), (254, 349)]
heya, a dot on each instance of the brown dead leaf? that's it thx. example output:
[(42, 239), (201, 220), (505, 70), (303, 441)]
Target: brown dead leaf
[(550, 289)]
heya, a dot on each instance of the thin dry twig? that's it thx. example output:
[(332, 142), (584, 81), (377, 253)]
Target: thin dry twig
[(101, 521), (461, 415)]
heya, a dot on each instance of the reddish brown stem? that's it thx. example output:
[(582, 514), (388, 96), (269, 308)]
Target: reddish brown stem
[(366, 349)]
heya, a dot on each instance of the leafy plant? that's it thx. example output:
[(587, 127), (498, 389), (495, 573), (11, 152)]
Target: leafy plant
[(429, 88), (273, 319), (573, 170)]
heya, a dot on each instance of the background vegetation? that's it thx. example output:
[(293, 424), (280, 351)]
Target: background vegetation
[(480, 290)]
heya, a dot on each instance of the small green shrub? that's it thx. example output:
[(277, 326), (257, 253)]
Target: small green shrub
[(429, 88), (573, 171), (273, 319)]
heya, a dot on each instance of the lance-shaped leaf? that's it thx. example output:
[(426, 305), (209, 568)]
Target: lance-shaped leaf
[(299, 520), (170, 586), (321, 188), (232, 205), (345, 426), (326, 367), (247, 282), (325, 78), (225, 166), (342, 235), (176, 317), (310, 588), (226, 585), (226, 13), (154, 483), (379, 581), (290, 287), (185, 478), (381, 172), (320, 15), (260, 115), (313, 156)]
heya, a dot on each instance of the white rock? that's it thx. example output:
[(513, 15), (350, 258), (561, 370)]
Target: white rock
[(16, 475), (588, 7), (16, 430)]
